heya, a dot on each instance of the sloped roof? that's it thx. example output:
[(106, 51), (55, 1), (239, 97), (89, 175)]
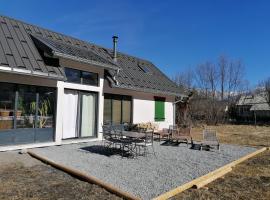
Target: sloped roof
[(132, 76), (260, 107), (61, 49), (18, 52), (256, 101)]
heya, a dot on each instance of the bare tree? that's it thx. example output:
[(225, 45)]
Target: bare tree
[(212, 76), (224, 78), (206, 77), (235, 77), (267, 89), (202, 79), (223, 73), (184, 79)]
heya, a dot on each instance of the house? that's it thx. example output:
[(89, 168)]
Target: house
[(253, 108), (56, 89)]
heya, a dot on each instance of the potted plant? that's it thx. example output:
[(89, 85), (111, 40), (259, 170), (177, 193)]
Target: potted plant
[(4, 112)]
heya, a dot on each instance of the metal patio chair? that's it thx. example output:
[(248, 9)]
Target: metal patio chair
[(145, 143), (126, 144), (109, 139), (210, 139)]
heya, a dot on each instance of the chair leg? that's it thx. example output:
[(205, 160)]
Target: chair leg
[(153, 149)]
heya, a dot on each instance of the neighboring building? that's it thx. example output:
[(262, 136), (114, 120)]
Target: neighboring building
[(55, 89), (253, 107)]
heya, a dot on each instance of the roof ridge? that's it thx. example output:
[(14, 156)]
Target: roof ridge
[(65, 35)]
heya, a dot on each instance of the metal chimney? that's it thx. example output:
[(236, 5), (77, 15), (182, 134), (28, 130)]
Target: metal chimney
[(115, 39)]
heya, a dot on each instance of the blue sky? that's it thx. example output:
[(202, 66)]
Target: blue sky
[(173, 34)]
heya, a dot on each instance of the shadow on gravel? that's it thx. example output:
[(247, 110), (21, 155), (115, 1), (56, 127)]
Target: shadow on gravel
[(105, 151), (170, 143)]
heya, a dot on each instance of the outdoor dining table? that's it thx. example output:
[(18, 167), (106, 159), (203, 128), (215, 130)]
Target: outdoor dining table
[(133, 134)]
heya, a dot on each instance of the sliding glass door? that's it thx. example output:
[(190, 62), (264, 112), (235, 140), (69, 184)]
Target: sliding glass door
[(70, 114), (88, 114), (79, 114)]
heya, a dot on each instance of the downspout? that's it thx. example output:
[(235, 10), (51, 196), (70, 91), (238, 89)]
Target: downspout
[(115, 75)]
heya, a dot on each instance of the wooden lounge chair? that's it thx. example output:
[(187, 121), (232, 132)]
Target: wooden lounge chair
[(164, 133), (210, 138), (182, 135)]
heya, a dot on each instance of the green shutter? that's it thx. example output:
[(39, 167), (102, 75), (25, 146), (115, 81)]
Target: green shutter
[(159, 110)]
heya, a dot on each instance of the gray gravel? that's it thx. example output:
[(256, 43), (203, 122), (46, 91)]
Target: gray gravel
[(145, 177)]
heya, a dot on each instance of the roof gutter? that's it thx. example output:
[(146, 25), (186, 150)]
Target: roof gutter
[(148, 90), (10, 70)]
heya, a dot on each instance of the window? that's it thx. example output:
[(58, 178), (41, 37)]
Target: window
[(117, 109), (144, 68), (89, 78), (81, 77), (26, 114), (7, 103), (159, 109)]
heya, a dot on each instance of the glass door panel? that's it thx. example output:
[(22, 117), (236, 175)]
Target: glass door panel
[(70, 114), (88, 114), (116, 118)]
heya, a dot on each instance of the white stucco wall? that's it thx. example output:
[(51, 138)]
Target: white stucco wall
[(61, 86), (144, 111), (144, 105)]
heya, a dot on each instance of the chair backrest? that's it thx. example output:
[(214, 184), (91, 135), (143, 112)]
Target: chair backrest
[(149, 137), (185, 131), (165, 130), (172, 128), (107, 131), (118, 128), (209, 135)]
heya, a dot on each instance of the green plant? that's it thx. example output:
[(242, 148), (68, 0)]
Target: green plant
[(20, 104), (43, 109)]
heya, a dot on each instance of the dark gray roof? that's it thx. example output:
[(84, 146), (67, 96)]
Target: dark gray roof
[(18, 51), (132, 76), (61, 49)]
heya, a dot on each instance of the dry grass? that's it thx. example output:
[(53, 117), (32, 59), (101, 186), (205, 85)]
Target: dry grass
[(248, 180), (239, 134), (42, 182)]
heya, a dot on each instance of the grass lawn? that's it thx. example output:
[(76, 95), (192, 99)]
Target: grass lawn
[(248, 180)]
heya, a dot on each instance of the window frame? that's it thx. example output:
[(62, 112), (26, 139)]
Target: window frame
[(122, 98), (27, 135), (81, 77)]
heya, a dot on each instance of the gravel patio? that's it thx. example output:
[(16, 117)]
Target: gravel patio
[(145, 177)]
